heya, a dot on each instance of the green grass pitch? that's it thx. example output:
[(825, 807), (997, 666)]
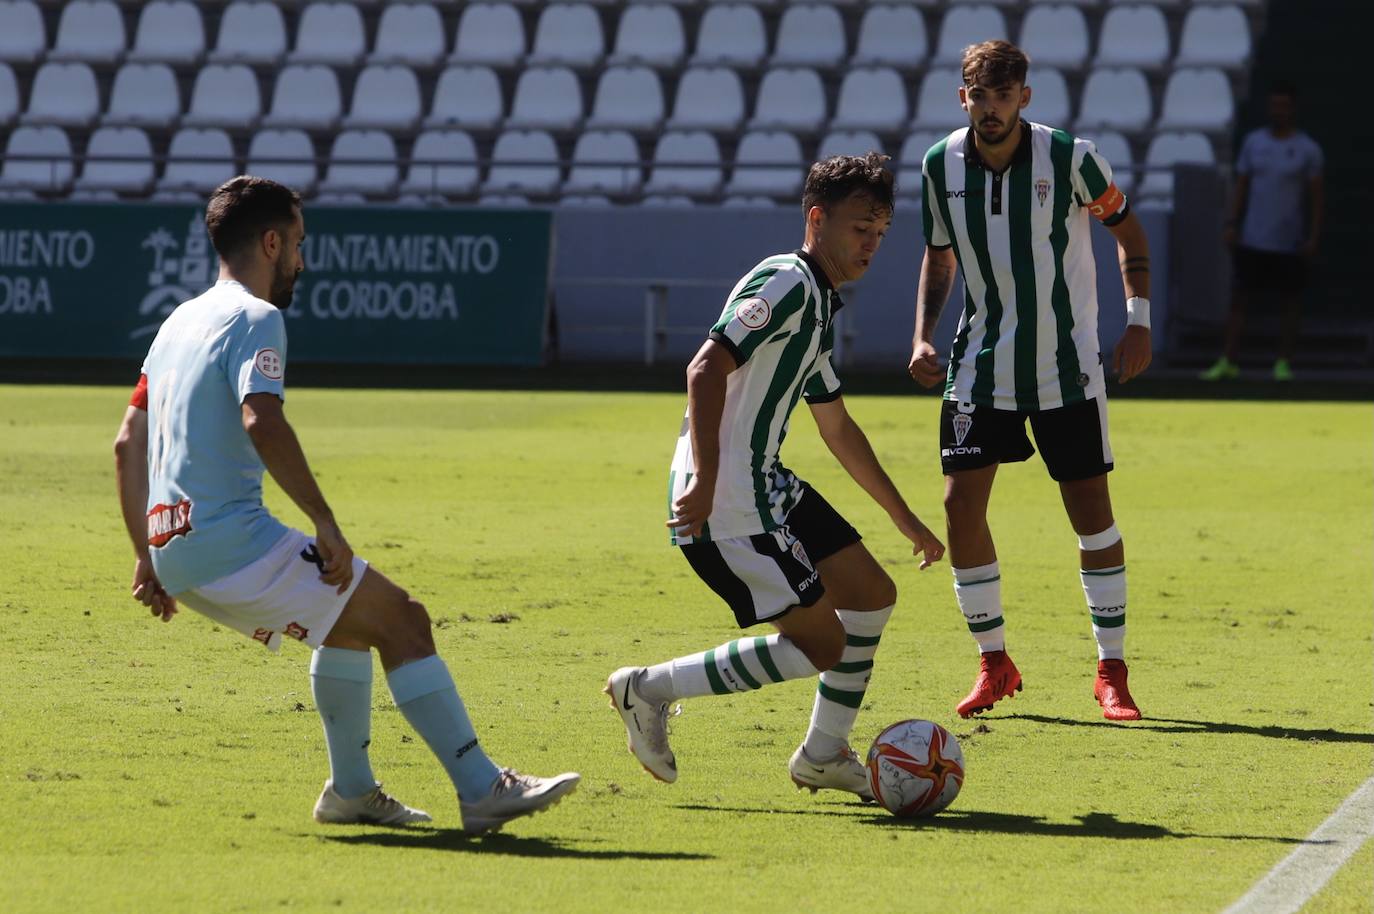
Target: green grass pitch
[(149, 767)]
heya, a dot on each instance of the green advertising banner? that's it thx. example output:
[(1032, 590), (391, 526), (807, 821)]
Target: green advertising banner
[(388, 286)]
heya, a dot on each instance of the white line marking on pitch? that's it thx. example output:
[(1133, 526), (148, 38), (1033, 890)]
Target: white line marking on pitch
[(1300, 875)]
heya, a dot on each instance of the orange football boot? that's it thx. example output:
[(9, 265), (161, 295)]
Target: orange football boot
[(1109, 688), (997, 678)]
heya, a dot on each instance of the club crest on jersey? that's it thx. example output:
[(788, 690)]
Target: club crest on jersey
[(168, 521), (754, 313), (1042, 189), (962, 423)]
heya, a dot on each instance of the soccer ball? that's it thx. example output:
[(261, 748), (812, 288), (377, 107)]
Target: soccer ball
[(915, 768)]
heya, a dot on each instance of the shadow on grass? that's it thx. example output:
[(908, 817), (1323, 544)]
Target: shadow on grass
[(1174, 725), (455, 839)]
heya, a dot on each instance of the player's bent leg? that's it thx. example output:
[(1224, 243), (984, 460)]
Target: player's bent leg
[(381, 615)]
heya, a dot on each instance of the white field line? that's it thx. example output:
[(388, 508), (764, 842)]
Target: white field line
[(1300, 875)]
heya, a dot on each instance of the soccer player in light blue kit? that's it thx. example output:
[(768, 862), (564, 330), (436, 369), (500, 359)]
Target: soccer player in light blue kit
[(203, 424)]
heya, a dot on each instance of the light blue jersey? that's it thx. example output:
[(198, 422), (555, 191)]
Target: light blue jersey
[(206, 518)]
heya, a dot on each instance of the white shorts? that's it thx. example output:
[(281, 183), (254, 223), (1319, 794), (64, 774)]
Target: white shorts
[(279, 594), (761, 577)]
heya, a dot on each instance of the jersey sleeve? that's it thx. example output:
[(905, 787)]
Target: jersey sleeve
[(1092, 181), (139, 398), (1316, 160), (1244, 165), (932, 222), (766, 307), (255, 357), (823, 385)]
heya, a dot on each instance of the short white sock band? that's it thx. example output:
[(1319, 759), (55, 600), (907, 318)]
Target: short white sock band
[(1095, 541)]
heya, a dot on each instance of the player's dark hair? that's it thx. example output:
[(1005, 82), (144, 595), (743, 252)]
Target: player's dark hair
[(994, 63), (839, 177), (1284, 87), (242, 208)]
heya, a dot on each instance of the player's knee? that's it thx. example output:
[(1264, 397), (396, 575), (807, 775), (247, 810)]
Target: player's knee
[(412, 633), (884, 592), (962, 507)]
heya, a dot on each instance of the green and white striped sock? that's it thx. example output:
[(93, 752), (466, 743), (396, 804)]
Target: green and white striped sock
[(979, 592), (1105, 589), (738, 666), (840, 692)]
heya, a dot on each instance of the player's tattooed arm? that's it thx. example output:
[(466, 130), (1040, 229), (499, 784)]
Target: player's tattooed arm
[(937, 278), (1133, 254)]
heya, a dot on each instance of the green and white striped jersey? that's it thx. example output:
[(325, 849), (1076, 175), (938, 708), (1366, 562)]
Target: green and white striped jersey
[(778, 324), (1027, 339)]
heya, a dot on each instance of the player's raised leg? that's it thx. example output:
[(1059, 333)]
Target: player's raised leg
[(382, 615), (1102, 558)]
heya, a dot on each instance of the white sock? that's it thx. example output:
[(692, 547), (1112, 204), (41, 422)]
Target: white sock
[(840, 692), (1105, 589), (979, 592), (737, 666)]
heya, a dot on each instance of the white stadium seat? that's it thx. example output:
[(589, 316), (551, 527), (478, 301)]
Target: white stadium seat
[(250, 31), (937, 105), (523, 162), (224, 95), (732, 35), (1049, 97), (585, 200), (9, 96), (849, 143), (1197, 99), (362, 162), (809, 35), (568, 35), (1214, 36), (385, 97), (651, 35), (1133, 36), (287, 156), (546, 98), (305, 96), (790, 98), (1055, 36), (1119, 99), (871, 99), (468, 97), (489, 33), (23, 37), (144, 94), (604, 162), (169, 31), (964, 25), (118, 159), (667, 201), (443, 163), (1168, 149), (768, 163), (685, 163), (198, 160), (1117, 151), (914, 149), (90, 31), (893, 36), (708, 98), (63, 94), (38, 158), (329, 33), (627, 98), (411, 34)]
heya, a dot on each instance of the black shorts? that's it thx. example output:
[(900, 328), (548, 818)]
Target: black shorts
[(1073, 439), (762, 576), (1260, 271)]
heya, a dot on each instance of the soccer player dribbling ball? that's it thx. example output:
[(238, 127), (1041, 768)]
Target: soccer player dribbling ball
[(1007, 202), (205, 421), (759, 536)]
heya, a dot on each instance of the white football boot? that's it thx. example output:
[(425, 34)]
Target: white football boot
[(372, 808), (843, 772), (514, 795), (646, 723)]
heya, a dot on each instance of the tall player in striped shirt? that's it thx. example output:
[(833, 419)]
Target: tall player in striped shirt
[(1008, 202), (764, 540)]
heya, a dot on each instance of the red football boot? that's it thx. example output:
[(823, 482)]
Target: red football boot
[(997, 678), (1109, 688)]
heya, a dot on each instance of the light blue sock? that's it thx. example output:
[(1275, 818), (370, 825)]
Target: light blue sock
[(342, 683), (426, 695)]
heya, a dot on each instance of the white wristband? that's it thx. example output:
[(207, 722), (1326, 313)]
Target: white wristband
[(1138, 312)]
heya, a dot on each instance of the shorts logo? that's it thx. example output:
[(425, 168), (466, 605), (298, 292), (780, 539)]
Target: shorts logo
[(264, 635), (754, 313), (962, 422), (297, 631), (961, 452), (799, 553), (1042, 189), (312, 555), (168, 521), (268, 364)]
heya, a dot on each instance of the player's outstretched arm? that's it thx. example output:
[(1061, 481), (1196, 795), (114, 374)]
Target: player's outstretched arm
[(131, 476), (1133, 353), (937, 278), (275, 440), (850, 446), (706, 382)]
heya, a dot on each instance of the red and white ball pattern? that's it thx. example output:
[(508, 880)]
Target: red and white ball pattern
[(916, 768)]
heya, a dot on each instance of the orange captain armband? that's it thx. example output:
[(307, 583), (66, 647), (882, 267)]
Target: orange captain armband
[(1110, 204), (139, 398)]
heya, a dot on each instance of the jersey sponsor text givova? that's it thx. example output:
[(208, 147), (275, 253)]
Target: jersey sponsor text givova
[(1027, 338), (778, 324)]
